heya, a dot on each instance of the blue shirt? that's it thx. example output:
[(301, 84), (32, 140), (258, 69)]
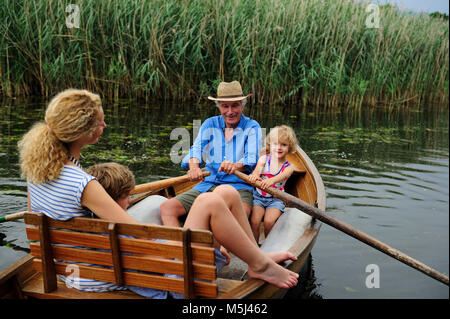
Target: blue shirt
[(211, 149)]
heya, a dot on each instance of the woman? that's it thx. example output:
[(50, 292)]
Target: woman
[(60, 189)]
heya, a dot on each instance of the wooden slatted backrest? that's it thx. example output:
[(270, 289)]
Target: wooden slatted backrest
[(181, 252)]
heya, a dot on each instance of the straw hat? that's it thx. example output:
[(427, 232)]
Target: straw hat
[(229, 91)]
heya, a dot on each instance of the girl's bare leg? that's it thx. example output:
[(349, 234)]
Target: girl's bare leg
[(210, 212), (233, 201), (270, 218), (256, 218)]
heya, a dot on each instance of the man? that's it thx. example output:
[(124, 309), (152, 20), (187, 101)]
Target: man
[(227, 142)]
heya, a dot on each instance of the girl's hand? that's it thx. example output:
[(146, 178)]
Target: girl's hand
[(254, 177), (267, 183)]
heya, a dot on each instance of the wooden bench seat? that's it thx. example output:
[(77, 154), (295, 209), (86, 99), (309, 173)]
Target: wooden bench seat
[(127, 250), (33, 288)]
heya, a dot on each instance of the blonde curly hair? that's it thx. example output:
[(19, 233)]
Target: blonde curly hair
[(44, 149), (282, 134)]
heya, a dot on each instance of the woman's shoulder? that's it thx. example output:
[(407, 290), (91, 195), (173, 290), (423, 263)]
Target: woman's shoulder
[(75, 176), (74, 171)]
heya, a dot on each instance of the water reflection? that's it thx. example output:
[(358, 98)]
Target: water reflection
[(385, 171), (308, 285)]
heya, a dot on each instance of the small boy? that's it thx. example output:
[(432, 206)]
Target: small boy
[(116, 179), (272, 170)]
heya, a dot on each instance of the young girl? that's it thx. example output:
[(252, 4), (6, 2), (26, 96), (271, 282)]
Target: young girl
[(273, 170)]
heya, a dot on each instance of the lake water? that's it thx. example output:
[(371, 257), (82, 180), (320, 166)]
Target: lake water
[(385, 170)]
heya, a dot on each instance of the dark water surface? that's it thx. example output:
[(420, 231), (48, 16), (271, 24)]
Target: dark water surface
[(385, 170)]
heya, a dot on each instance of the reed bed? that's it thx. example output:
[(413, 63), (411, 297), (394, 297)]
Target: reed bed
[(310, 52)]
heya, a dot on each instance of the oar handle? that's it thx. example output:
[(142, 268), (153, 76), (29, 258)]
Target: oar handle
[(162, 183), (12, 217), (349, 230)]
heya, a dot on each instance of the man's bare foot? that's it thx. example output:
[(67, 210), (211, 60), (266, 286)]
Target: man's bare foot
[(275, 275)]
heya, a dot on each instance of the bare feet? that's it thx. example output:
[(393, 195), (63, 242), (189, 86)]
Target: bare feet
[(279, 256), (275, 275)]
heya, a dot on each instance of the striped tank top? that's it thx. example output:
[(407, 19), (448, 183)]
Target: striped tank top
[(60, 199), (267, 174)]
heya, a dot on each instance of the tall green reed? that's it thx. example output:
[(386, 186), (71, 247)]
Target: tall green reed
[(311, 52)]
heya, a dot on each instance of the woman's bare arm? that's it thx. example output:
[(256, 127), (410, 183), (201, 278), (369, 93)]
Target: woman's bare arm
[(102, 205)]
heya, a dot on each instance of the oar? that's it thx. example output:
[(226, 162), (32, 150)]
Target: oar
[(349, 230), (138, 189), (12, 217), (162, 183), (148, 189)]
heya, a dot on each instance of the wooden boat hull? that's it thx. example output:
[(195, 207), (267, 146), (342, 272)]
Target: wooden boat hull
[(17, 280)]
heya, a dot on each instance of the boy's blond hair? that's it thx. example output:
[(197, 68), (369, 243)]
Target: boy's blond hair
[(284, 134), (116, 179)]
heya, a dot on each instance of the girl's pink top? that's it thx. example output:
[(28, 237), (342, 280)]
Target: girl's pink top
[(267, 174)]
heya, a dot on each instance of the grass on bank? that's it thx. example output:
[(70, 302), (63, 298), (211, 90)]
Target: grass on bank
[(311, 52)]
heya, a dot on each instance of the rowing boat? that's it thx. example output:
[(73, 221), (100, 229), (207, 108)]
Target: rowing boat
[(294, 231)]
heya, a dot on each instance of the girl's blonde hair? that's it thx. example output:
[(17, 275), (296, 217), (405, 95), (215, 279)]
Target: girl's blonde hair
[(116, 179), (44, 149), (283, 134)]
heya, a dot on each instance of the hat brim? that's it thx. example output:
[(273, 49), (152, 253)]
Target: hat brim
[(228, 99)]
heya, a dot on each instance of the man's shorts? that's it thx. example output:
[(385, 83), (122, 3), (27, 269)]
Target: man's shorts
[(268, 202), (188, 198)]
